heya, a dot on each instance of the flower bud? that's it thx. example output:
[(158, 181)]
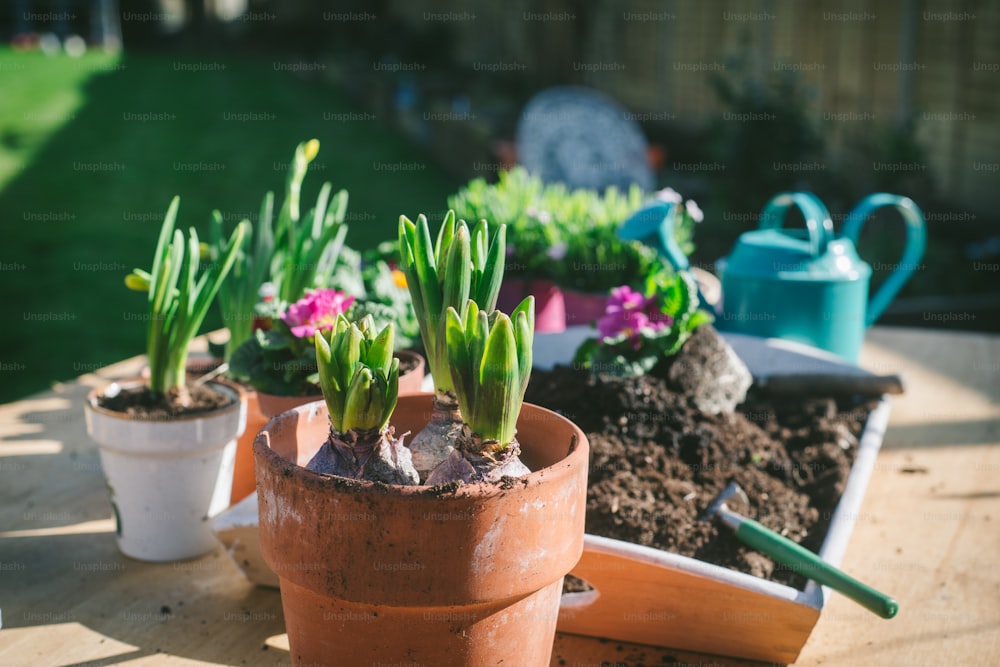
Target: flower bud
[(311, 150)]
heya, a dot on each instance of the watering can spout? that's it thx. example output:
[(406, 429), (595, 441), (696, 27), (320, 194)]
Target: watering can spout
[(653, 225)]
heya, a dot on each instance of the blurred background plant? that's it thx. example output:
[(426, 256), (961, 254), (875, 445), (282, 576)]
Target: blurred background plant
[(298, 253), (379, 290), (566, 236)]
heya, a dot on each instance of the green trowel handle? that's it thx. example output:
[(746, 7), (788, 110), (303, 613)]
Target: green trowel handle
[(813, 567)]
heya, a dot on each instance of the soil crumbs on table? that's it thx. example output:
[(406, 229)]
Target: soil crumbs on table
[(657, 462)]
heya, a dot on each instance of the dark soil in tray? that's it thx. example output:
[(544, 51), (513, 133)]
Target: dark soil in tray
[(657, 462)]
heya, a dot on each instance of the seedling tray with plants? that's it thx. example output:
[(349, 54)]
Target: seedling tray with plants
[(651, 572)]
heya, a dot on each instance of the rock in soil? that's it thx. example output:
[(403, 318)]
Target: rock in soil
[(657, 461), (708, 370)]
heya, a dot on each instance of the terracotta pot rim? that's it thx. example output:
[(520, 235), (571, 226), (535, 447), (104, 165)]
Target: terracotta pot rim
[(240, 395), (262, 450)]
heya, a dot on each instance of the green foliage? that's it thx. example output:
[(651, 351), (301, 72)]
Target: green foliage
[(58, 111), (358, 374), (459, 266), (489, 357), (274, 361), (567, 236), (179, 297), (241, 291), (294, 253), (379, 291)]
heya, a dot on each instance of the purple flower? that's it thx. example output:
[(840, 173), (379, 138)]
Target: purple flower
[(630, 313), (317, 310), (557, 251)]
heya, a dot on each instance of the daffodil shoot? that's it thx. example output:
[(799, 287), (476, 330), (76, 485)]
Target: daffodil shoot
[(179, 296)]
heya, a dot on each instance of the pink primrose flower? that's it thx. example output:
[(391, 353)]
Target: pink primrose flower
[(316, 311), (629, 312)]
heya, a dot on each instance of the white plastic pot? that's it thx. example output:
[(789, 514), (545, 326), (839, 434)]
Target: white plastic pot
[(167, 479)]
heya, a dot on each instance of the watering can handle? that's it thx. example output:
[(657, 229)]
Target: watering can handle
[(818, 221), (913, 252)]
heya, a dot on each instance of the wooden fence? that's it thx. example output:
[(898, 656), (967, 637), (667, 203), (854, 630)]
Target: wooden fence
[(869, 65)]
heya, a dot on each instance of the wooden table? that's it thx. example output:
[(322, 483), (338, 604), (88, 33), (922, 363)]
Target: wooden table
[(929, 534)]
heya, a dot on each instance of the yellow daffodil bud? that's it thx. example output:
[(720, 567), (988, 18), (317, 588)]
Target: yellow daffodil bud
[(311, 149), (137, 282)]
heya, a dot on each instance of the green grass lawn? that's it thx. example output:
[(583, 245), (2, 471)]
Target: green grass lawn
[(93, 149)]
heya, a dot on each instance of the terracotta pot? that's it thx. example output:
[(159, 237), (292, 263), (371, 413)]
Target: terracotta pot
[(244, 482), (550, 309), (582, 308), (166, 477), (413, 381), (372, 573), (272, 405)]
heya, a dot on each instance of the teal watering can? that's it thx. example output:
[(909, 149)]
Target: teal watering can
[(807, 285)]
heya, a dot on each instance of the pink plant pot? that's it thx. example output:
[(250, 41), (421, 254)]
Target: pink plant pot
[(583, 308), (550, 309)]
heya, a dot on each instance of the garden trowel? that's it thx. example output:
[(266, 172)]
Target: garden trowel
[(788, 553)]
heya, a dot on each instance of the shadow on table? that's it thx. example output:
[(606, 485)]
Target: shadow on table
[(942, 434), (45, 443)]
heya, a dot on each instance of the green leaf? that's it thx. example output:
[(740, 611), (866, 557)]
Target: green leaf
[(329, 379), (459, 363), (359, 407), (523, 335), (427, 275), (444, 238), (391, 394), (458, 270), (487, 288), (162, 249), (380, 353), (347, 349), (499, 392)]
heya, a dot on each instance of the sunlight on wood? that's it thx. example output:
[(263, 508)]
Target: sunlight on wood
[(96, 526), (968, 397), (88, 646), (30, 448), (278, 641)]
